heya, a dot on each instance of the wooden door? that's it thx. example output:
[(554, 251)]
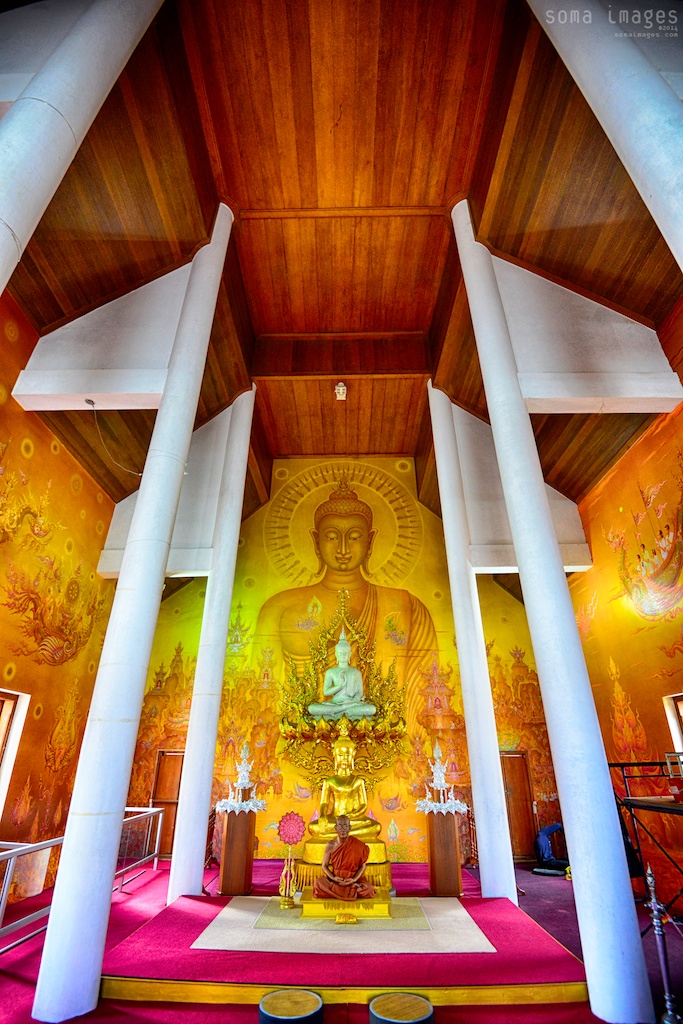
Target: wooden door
[(519, 802), (165, 792), (8, 705)]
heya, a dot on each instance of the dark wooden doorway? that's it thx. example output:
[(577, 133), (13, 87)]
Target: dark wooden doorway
[(8, 705), (165, 792), (519, 800)]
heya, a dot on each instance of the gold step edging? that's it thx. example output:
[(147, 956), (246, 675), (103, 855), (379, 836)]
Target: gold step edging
[(168, 991)]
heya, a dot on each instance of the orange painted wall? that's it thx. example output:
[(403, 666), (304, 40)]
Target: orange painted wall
[(53, 606), (629, 608)]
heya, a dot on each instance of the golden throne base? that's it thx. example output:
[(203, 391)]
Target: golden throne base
[(378, 875), (346, 911), (314, 850)]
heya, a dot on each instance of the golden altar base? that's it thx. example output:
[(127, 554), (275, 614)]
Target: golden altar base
[(314, 850), (378, 875), (346, 911)]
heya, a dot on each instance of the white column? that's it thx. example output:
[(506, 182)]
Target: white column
[(639, 112), (610, 937), (194, 802), (41, 132), (68, 983), (496, 866)]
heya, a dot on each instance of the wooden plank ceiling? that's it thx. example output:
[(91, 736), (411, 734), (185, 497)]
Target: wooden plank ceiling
[(341, 132)]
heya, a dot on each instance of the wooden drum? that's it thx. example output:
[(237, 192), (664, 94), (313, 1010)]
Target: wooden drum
[(400, 1008), (291, 1004)]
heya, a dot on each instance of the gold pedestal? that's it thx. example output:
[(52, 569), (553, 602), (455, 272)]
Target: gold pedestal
[(378, 875), (346, 911), (315, 848)]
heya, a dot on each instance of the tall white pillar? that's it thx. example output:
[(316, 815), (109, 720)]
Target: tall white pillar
[(494, 848), (41, 132), (610, 937), (69, 978), (194, 802), (639, 112)]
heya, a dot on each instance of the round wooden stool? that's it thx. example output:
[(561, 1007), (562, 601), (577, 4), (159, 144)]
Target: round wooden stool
[(400, 1008), (291, 1004)]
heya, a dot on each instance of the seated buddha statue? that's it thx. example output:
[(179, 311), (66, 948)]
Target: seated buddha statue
[(344, 794), (343, 685)]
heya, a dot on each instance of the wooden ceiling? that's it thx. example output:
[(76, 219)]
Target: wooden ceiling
[(341, 132)]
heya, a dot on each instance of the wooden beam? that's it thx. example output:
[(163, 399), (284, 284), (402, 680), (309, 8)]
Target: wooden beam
[(260, 484), (350, 211), (342, 355)]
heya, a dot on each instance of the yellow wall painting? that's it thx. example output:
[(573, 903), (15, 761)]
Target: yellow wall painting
[(387, 554), (53, 607), (629, 608)]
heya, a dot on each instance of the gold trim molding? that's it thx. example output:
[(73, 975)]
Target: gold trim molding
[(159, 990)]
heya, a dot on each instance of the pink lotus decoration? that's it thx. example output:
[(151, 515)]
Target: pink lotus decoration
[(291, 831), (292, 828)]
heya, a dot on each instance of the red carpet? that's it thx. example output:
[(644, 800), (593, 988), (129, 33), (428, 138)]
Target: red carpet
[(132, 911), (526, 955)]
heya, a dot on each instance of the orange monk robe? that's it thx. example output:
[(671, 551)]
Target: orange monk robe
[(344, 862)]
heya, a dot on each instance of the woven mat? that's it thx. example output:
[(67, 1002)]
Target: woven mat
[(256, 923)]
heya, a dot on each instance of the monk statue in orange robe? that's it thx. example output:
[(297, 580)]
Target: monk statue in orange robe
[(343, 866)]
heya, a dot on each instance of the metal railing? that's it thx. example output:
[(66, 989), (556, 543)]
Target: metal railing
[(648, 775), (638, 771), (141, 831)]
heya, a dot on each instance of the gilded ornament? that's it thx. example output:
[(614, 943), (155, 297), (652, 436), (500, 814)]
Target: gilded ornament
[(308, 740)]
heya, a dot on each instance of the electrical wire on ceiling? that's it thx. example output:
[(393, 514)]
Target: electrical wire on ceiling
[(133, 472)]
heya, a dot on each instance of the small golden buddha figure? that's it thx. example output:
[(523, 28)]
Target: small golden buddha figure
[(344, 794), (343, 686)]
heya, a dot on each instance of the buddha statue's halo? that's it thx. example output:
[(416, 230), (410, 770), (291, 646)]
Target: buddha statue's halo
[(292, 513)]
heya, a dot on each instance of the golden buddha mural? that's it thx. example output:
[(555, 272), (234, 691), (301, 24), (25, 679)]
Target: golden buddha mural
[(341, 628), (343, 538), (368, 644)]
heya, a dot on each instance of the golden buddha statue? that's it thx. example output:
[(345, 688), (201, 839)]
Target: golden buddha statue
[(344, 794)]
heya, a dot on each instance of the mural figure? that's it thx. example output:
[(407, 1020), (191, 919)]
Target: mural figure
[(23, 519), (343, 538), (62, 739), (654, 582), (57, 618), (343, 685)]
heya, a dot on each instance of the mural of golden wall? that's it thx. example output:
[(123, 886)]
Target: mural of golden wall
[(53, 606), (354, 526), (629, 609)]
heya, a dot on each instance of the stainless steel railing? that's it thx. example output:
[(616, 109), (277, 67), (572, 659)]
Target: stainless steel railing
[(140, 838)]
